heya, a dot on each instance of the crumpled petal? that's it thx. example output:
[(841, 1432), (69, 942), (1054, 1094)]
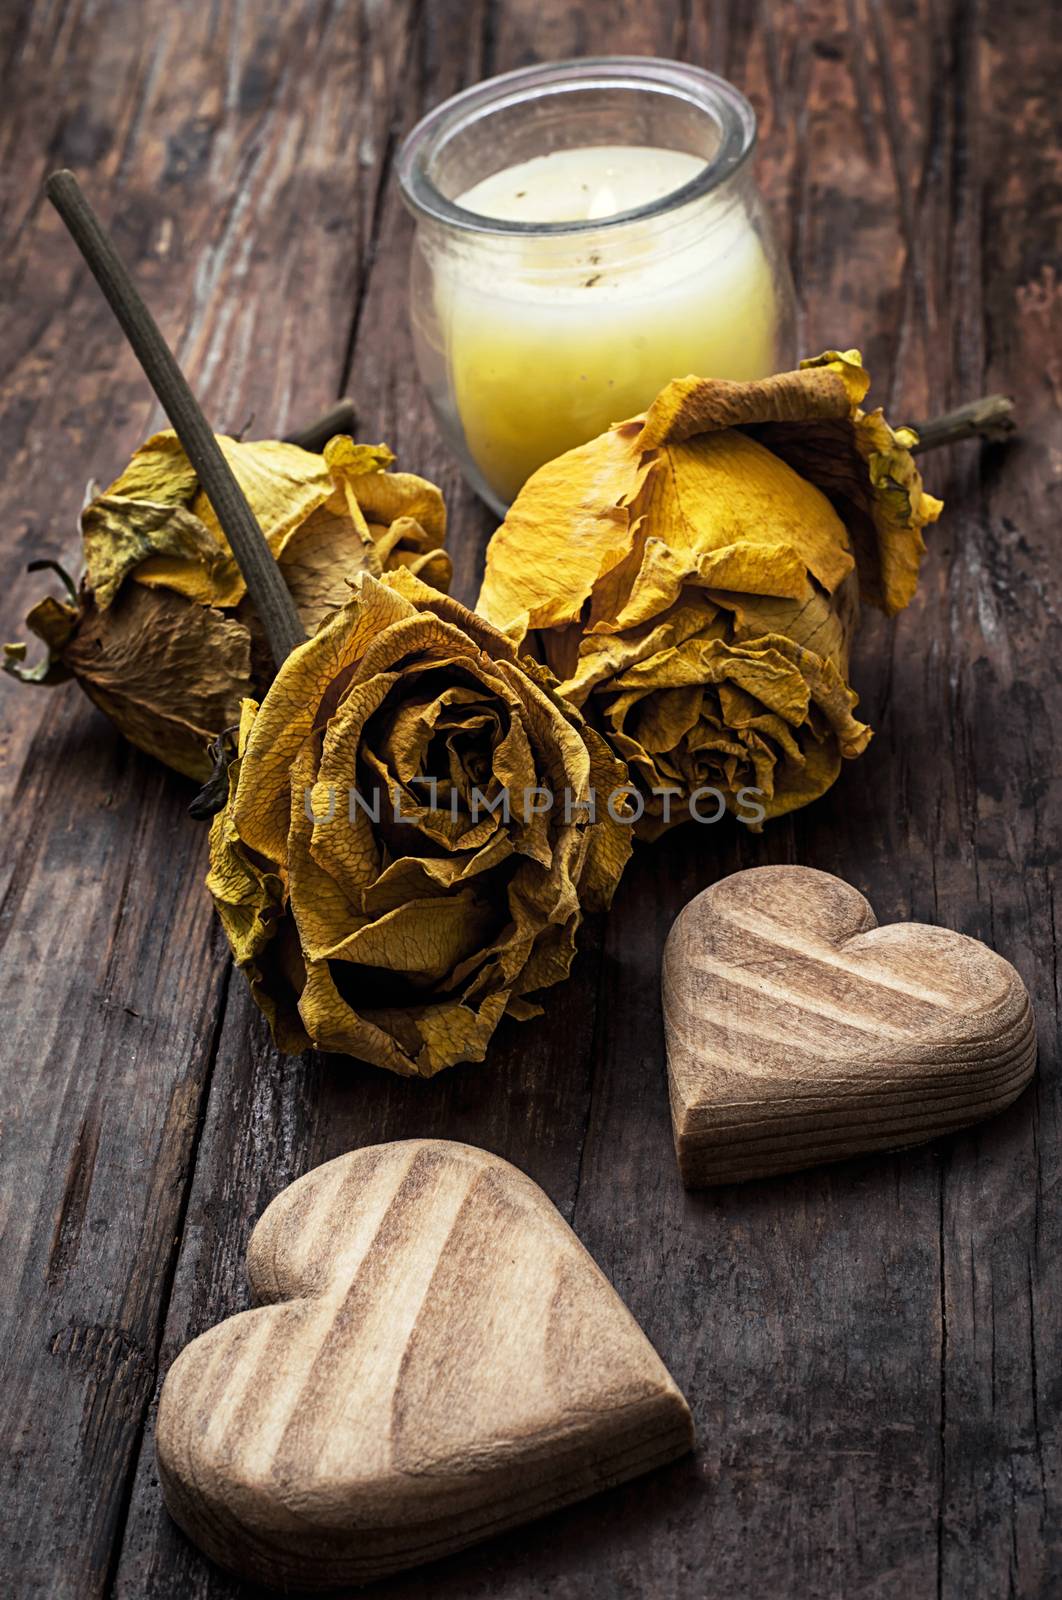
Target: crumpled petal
[(249, 899), (123, 536), (285, 486), (354, 833), (823, 389), (169, 677), (870, 476)]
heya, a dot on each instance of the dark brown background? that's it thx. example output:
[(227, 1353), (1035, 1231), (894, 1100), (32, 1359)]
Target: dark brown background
[(871, 1351)]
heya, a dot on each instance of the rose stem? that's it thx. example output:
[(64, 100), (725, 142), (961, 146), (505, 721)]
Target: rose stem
[(339, 418), (265, 585), (991, 417)]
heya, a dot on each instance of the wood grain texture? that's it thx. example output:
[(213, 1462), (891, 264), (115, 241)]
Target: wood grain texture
[(871, 1349), (434, 1358), (799, 1031)]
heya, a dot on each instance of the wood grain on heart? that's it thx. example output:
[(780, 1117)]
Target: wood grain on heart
[(440, 1359), (798, 1031)]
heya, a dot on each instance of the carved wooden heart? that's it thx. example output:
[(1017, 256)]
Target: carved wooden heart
[(798, 1031), (441, 1359)]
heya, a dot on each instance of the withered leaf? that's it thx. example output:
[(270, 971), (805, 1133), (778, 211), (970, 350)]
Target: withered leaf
[(168, 675)]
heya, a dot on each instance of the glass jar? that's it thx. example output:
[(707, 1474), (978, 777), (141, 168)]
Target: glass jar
[(635, 248)]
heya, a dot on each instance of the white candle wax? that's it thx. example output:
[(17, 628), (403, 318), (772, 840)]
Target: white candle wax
[(550, 339)]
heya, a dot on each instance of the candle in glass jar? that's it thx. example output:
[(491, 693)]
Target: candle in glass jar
[(551, 338)]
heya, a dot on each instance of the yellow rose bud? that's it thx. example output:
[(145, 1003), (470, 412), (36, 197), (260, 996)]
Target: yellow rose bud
[(160, 633), (416, 823), (693, 578)]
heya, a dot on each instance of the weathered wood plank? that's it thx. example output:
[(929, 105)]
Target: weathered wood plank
[(1001, 1529), (189, 126)]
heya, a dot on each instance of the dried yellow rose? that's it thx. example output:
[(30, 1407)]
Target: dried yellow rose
[(693, 578), (160, 634), (409, 841)]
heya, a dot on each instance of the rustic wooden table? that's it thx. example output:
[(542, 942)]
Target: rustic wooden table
[(871, 1351)]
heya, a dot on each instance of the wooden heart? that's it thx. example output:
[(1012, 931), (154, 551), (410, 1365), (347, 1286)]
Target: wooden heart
[(440, 1359), (798, 1031)]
